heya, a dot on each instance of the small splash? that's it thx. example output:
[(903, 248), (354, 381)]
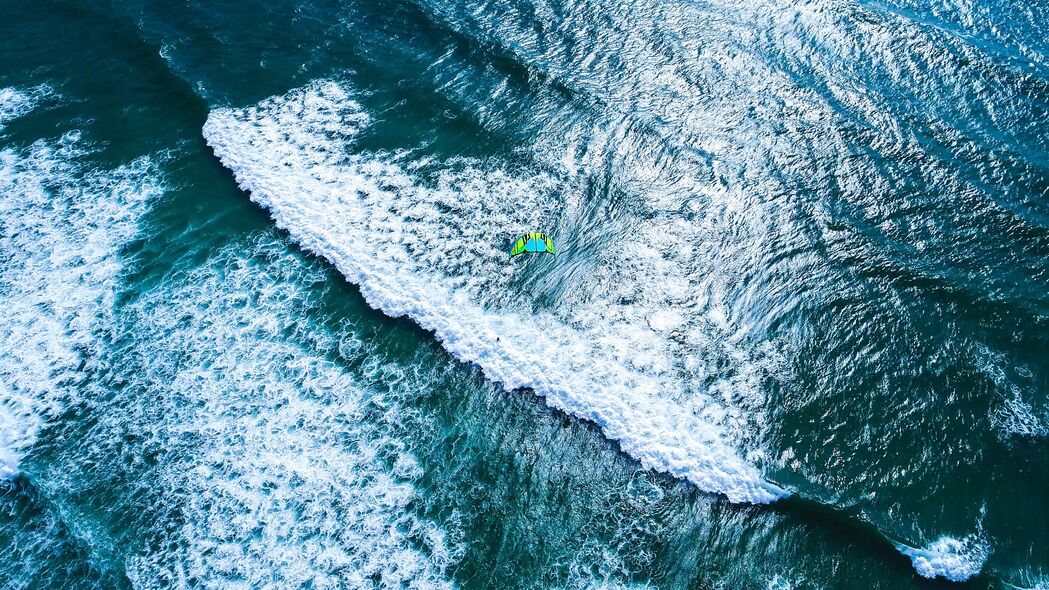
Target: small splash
[(953, 559), (778, 582)]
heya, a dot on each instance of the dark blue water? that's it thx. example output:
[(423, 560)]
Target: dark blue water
[(259, 328)]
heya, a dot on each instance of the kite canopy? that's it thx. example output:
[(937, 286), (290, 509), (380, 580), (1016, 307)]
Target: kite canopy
[(533, 242)]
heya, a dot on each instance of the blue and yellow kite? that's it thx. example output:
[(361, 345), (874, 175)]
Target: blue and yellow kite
[(533, 242)]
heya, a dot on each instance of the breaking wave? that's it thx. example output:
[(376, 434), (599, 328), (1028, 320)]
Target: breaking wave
[(953, 559), (423, 239)]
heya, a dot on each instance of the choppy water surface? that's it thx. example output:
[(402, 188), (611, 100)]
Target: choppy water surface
[(259, 330)]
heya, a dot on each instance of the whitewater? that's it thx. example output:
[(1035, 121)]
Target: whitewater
[(255, 453), (63, 227)]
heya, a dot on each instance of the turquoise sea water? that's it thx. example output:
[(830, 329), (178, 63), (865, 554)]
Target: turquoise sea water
[(258, 328)]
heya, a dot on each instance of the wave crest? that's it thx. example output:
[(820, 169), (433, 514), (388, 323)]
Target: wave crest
[(366, 213)]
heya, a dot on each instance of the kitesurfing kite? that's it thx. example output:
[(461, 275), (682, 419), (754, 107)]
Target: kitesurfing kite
[(533, 242)]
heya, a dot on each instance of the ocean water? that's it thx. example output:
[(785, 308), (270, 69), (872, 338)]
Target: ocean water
[(258, 328)]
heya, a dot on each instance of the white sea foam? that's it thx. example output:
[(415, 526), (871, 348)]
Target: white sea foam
[(778, 582), (15, 102), (18, 429), (1015, 417), (62, 229), (284, 466), (429, 248), (953, 559)]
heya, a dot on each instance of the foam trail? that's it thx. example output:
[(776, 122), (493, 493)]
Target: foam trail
[(359, 211), (953, 559), (62, 229), (14, 102), (1036, 585), (1015, 417)]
